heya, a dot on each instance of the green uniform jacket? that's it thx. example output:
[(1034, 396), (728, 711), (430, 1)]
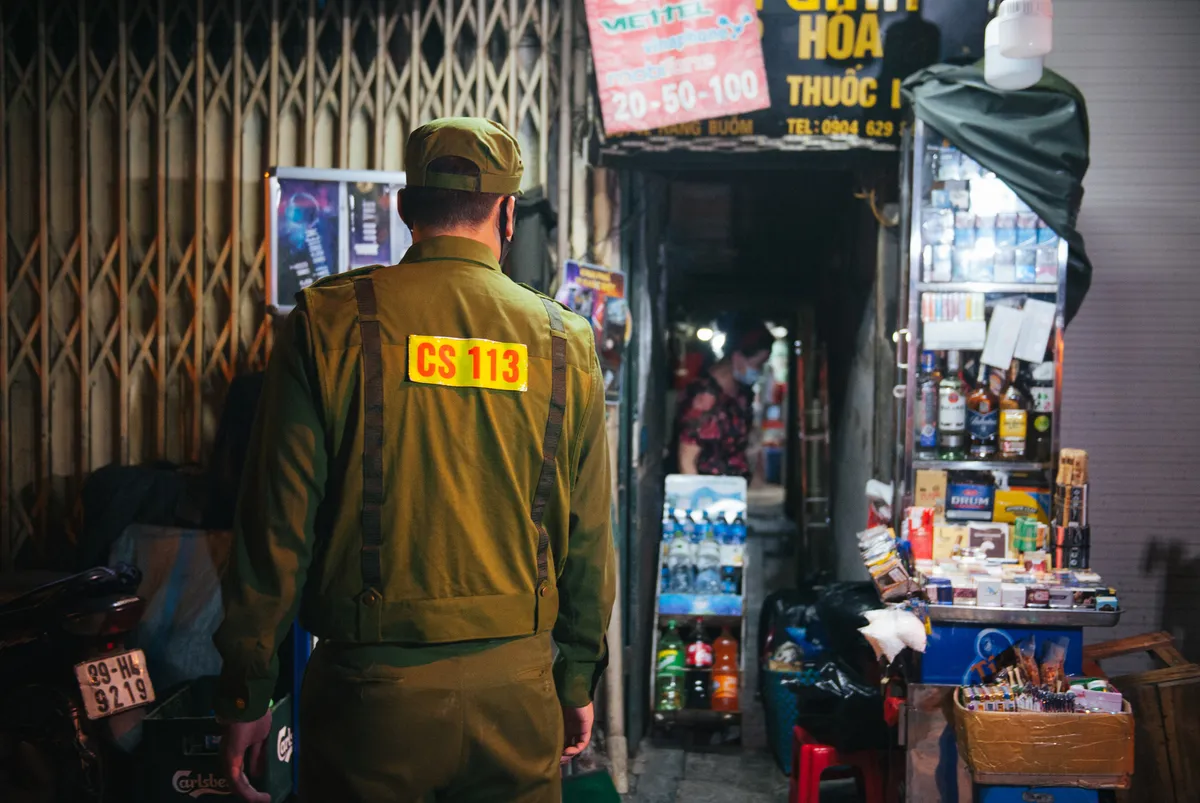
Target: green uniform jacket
[(458, 561)]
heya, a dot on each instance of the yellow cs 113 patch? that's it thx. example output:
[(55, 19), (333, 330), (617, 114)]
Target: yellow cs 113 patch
[(468, 363)]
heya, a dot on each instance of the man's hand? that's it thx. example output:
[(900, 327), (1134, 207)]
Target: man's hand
[(241, 738), (577, 731)]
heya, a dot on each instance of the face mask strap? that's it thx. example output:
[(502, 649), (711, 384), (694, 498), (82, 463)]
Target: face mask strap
[(505, 242)]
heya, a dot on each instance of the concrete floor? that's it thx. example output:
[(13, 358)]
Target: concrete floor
[(674, 775)]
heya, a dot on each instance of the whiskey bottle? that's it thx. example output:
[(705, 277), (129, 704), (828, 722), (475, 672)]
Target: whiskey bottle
[(983, 413), (1041, 413), (927, 407), (1014, 418), (952, 411)]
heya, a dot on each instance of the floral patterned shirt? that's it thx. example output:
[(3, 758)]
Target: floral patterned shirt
[(719, 424)]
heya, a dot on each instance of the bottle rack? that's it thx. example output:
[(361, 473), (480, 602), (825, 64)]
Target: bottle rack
[(724, 611), (928, 190)]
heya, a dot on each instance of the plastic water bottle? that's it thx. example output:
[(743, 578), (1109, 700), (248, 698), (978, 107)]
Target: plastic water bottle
[(680, 563), (687, 524), (721, 528), (737, 530), (668, 522), (708, 565)]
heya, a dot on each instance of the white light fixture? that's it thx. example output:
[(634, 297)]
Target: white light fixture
[(1026, 28), (1003, 72), (704, 334), (718, 344)]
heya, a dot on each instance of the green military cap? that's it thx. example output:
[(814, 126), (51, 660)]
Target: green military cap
[(486, 144)]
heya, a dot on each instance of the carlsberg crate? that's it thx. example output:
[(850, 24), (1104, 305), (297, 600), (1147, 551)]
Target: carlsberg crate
[(181, 750)]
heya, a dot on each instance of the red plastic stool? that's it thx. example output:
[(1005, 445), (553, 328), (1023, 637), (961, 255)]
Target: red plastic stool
[(811, 761)]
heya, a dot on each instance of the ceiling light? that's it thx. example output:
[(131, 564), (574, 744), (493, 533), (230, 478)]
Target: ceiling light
[(704, 334)]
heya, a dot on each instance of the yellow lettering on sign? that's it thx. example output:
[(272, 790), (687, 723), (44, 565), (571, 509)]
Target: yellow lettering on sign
[(468, 363), (804, 5), (839, 37)]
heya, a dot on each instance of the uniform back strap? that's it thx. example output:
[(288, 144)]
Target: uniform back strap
[(554, 425), (372, 465)]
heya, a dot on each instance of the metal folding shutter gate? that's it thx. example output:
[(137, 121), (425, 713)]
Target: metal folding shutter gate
[(1132, 383), (135, 134)]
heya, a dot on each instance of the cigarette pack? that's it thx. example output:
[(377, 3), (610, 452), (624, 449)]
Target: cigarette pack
[(989, 592), (1062, 597), (1013, 503), (1012, 595), (946, 537), (931, 492), (969, 501)]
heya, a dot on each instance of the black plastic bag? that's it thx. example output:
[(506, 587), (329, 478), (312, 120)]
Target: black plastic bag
[(840, 609), (840, 709)]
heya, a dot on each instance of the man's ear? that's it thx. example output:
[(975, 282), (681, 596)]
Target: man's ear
[(510, 227), (400, 208)]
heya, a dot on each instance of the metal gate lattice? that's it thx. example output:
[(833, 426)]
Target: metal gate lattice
[(135, 136)]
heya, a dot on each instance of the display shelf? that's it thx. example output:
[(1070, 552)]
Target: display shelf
[(1040, 288), (690, 619), (981, 465), (922, 155), (1027, 617), (697, 716)]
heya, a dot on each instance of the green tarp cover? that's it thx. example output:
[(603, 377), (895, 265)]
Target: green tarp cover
[(1036, 140)]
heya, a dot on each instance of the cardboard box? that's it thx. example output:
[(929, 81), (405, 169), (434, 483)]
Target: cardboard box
[(931, 492), (1093, 751)]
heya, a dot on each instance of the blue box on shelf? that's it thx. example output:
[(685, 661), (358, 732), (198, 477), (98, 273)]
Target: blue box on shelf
[(700, 604), (957, 653), (1041, 794)]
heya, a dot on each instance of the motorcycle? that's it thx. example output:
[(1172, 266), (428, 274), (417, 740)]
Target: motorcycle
[(70, 686)]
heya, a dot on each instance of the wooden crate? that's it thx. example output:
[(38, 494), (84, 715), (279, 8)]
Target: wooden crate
[(1166, 706)]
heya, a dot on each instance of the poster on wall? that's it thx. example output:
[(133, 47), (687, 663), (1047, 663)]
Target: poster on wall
[(377, 236), (667, 64), (308, 235), (323, 222), (833, 70), (598, 294)]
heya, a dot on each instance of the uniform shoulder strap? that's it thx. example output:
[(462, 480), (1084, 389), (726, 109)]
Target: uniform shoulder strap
[(554, 425), (372, 456)]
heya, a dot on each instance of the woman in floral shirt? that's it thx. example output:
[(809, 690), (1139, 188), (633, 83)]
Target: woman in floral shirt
[(716, 411)]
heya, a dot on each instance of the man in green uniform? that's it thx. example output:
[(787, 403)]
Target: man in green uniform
[(428, 488)]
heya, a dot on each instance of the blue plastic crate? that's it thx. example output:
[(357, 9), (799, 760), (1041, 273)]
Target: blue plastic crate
[(1029, 794), (779, 701)]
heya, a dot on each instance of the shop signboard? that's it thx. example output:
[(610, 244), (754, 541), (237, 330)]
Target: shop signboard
[(598, 294), (666, 63), (834, 70)]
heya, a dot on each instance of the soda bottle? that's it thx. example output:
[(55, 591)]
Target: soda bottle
[(670, 670), (680, 563), (699, 692), (725, 673), (700, 651), (708, 565)]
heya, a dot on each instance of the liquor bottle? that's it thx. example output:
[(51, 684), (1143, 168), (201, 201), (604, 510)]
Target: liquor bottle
[(982, 418), (952, 411), (927, 407), (1041, 392), (1014, 418)]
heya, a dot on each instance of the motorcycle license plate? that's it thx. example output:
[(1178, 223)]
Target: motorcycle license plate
[(114, 683)]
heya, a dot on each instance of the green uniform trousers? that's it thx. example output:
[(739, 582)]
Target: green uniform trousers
[(480, 727)]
